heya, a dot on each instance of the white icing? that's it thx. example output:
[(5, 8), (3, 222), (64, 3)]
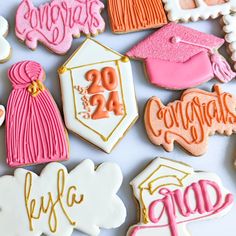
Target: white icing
[(3, 114), (172, 175), (5, 48), (202, 11), (230, 37), (93, 55), (101, 207)]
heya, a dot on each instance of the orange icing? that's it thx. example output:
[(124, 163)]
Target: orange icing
[(95, 77), (188, 4), (100, 112), (133, 15), (215, 2), (114, 105), (102, 81), (190, 120), (109, 78), (1, 112)]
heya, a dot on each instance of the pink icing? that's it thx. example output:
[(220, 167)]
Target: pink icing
[(178, 57), (175, 75), (34, 129), (177, 200), (54, 24), (160, 44)]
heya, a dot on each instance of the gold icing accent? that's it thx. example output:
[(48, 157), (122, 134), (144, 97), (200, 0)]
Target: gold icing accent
[(152, 190), (125, 59), (62, 70), (35, 88), (50, 205)]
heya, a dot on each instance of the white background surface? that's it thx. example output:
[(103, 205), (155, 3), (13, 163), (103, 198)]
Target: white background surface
[(134, 151)]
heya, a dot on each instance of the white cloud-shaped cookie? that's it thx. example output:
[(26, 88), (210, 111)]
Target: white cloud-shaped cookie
[(5, 48), (56, 202)]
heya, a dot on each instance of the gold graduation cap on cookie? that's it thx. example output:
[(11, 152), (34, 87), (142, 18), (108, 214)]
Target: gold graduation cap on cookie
[(159, 174)]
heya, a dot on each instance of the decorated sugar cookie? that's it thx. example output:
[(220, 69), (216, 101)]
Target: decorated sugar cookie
[(172, 195), (98, 94), (134, 15), (2, 114), (34, 129), (229, 28), (55, 23), (58, 201), (186, 10), (190, 120), (174, 54), (5, 48)]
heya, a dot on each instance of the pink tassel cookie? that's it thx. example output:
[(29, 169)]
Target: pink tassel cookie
[(178, 57), (34, 129), (54, 24)]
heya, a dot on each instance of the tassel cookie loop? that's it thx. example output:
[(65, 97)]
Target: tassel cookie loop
[(35, 88), (220, 66)]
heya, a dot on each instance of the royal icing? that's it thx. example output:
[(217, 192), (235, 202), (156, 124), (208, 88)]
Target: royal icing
[(55, 24), (230, 37), (98, 94), (34, 129), (174, 54), (171, 195), (58, 201), (186, 10), (134, 15), (5, 48), (190, 120), (2, 114)]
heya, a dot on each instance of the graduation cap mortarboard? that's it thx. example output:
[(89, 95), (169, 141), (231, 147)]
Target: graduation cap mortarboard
[(178, 57)]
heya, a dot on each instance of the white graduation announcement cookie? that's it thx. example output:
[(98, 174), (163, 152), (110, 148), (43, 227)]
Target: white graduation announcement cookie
[(193, 10), (98, 94), (5, 48), (171, 195), (56, 202)]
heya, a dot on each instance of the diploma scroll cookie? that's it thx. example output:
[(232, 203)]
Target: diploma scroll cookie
[(55, 23), (193, 10), (58, 201), (134, 15), (171, 195), (191, 120), (34, 128), (5, 48), (98, 94)]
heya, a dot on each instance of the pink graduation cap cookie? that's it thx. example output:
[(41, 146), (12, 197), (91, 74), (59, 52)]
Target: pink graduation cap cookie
[(34, 129), (178, 57)]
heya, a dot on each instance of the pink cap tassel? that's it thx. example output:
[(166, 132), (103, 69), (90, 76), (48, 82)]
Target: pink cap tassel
[(221, 68)]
